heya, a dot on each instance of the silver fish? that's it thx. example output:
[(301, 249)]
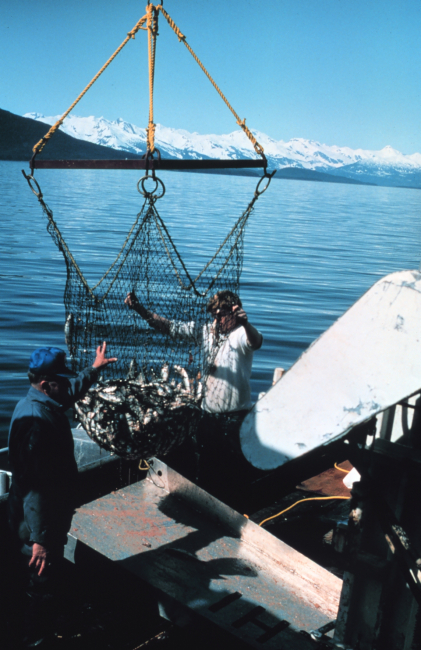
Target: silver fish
[(148, 417), (160, 390), (199, 390), (133, 370), (168, 390), (129, 420), (183, 373), (112, 398), (69, 327), (135, 408), (141, 379), (165, 372)]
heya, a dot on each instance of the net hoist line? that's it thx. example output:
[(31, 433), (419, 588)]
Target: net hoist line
[(171, 370)]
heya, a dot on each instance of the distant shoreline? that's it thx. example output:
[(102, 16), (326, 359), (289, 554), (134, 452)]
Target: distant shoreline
[(287, 173), (19, 134), (290, 173)]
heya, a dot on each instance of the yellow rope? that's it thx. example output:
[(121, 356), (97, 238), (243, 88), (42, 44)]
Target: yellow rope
[(145, 467), (346, 471), (152, 27), (242, 123), (41, 144), (151, 18), (296, 503)]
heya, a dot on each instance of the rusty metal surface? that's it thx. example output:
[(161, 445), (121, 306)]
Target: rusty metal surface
[(238, 576), (329, 483), (211, 163)]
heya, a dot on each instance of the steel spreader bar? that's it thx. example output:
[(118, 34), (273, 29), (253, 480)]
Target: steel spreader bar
[(212, 163)]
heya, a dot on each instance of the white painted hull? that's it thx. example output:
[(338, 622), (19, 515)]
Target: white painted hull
[(367, 361)]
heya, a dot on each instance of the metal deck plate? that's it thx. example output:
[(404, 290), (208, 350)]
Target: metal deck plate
[(206, 558)]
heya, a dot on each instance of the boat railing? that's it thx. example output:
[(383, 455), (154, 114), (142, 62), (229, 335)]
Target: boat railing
[(5, 475), (5, 481), (398, 422)]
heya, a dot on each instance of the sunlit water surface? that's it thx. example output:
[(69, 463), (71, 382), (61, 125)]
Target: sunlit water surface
[(311, 250)]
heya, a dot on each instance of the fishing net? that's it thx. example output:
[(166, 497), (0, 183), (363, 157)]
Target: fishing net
[(160, 376)]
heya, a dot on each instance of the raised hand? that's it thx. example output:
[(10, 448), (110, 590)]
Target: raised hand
[(131, 300), (241, 317), (39, 557), (101, 360)]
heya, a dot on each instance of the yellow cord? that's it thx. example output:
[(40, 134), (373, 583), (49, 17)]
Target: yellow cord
[(151, 18), (346, 471), (242, 123), (41, 144), (146, 467), (296, 503), (152, 27)]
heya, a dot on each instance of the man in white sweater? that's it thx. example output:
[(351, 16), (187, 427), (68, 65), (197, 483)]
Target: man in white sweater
[(227, 345), (214, 459)]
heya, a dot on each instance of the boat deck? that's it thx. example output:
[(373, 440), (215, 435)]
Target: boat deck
[(204, 560)]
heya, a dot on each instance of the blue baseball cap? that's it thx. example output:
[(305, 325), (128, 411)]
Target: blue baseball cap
[(50, 361)]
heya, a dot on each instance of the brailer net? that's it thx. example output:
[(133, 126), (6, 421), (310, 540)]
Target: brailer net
[(151, 398)]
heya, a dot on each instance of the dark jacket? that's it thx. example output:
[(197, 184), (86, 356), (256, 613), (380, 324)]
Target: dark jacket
[(44, 470)]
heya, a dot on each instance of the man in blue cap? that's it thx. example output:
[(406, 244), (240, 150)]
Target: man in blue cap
[(44, 474)]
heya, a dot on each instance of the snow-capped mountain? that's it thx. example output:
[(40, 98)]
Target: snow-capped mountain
[(385, 167), (382, 174)]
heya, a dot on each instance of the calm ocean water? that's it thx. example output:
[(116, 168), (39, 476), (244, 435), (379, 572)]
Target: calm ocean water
[(311, 250)]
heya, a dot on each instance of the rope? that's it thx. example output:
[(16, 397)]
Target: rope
[(41, 144), (160, 227), (63, 246), (242, 123), (160, 224), (160, 635), (239, 225), (244, 217), (152, 27), (151, 18), (89, 289), (296, 504)]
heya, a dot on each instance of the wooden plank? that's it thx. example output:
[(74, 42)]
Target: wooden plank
[(369, 360)]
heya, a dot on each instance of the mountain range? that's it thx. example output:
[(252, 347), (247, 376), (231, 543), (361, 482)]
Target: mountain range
[(19, 134), (297, 158), (384, 167)]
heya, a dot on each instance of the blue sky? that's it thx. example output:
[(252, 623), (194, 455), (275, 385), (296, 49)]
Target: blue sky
[(343, 72)]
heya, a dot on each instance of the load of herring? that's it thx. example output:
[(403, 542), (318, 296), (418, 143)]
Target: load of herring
[(135, 417), (140, 414)]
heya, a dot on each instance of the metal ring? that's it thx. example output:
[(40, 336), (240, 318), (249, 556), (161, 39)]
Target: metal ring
[(30, 178), (141, 185), (269, 177), (142, 189)]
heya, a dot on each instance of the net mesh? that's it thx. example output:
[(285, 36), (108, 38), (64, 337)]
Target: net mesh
[(149, 265)]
